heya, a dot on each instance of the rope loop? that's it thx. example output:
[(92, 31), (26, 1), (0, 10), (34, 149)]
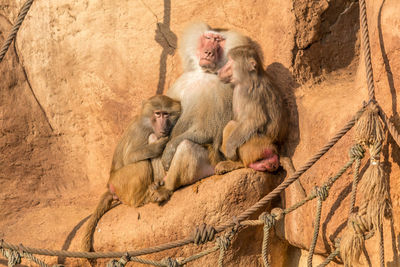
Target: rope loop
[(321, 192), (203, 234), (278, 213), (170, 262), (269, 219), (356, 152)]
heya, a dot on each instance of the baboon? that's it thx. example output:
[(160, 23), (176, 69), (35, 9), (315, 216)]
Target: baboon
[(193, 149), (136, 169), (260, 119)]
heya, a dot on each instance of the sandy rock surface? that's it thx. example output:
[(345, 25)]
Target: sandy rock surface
[(79, 71)]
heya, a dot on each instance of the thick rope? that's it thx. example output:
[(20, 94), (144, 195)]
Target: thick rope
[(322, 194), (392, 130), (330, 258), (355, 183), (17, 25), (12, 256), (269, 221), (367, 50)]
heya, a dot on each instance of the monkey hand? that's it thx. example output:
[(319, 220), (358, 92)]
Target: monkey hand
[(167, 156), (159, 145)]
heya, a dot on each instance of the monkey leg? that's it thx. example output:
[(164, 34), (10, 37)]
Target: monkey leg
[(260, 154), (131, 182), (230, 126), (190, 164), (228, 166)]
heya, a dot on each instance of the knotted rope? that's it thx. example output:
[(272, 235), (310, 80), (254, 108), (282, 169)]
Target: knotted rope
[(269, 221), (322, 193), (369, 132)]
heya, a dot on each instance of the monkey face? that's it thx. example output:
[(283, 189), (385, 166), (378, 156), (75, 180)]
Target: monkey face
[(210, 50), (161, 123)]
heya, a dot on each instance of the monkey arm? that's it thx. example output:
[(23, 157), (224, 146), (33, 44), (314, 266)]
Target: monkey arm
[(147, 151), (240, 135), (192, 135)]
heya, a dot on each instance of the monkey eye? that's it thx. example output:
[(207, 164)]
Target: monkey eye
[(158, 114)]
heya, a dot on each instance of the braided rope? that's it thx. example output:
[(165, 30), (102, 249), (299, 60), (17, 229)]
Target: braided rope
[(392, 130), (269, 221), (367, 50), (322, 194), (12, 256), (199, 255), (330, 258), (355, 183), (17, 25)]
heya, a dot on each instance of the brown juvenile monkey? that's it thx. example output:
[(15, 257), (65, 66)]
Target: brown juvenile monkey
[(136, 169), (260, 120), (193, 149)]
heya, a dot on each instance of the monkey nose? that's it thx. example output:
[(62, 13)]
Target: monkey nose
[(209, 53)]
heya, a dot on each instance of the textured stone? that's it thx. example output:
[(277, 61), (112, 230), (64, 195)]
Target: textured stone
[(78, 74)]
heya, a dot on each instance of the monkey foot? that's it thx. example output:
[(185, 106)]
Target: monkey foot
[(159, 194), (227, 166)]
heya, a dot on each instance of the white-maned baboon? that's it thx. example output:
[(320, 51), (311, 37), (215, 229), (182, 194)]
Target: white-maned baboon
[(194, 146)]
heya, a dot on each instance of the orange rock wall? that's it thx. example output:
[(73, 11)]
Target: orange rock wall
[(80, 69)]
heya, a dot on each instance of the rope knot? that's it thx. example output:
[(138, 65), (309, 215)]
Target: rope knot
[(278, 213), (169, 262), (321, 192), (269, 219), (121, 262), (223, 242), (13, 257), (356, 152), (375, 150), (203, 234), (358, 223)]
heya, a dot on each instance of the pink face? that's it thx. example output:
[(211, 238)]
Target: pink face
[(161, 123), (210, 50)]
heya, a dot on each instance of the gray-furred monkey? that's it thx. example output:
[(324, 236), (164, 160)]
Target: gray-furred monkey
[(193, 149)]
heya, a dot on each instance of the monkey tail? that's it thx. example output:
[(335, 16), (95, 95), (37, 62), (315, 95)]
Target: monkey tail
[(104, 205)]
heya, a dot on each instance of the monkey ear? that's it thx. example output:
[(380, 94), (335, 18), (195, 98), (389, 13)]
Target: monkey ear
[(252, 64)]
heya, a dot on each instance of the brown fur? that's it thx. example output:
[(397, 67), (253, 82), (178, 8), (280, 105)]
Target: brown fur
[(136, 170), (206, 105), (260, 119)]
